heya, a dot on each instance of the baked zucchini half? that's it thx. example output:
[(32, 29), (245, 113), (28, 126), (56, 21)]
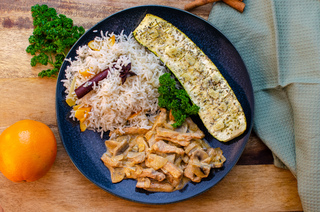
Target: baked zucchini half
[(220, 110)]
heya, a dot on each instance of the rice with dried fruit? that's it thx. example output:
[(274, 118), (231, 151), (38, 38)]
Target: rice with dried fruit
[(114, 105)]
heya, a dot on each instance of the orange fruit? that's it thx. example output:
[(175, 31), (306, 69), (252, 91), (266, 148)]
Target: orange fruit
[(28, 149)]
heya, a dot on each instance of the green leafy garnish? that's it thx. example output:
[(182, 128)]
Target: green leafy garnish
[(53, 36), (175, 99)]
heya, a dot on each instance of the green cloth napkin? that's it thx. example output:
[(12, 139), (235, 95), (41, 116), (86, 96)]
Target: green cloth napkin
[(279, 41)]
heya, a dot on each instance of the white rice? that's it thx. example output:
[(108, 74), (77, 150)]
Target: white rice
[(112, 103)]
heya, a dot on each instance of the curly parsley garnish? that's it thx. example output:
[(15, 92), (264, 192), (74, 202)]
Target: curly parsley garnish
[(52, 38), (175, 99)]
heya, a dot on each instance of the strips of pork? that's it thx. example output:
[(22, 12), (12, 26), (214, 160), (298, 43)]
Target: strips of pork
[(153, 174), (164, 147), (154, 186), (175, 171), (162, 159), (182, 139)]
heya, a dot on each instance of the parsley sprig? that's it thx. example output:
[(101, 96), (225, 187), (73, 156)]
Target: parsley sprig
[(175, 99), (53, 36)]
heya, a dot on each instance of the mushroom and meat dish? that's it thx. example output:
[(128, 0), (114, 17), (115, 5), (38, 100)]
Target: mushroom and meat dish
[(163, 158)]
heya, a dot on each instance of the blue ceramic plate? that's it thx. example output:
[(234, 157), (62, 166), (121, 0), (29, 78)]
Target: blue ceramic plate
[(86, 148)]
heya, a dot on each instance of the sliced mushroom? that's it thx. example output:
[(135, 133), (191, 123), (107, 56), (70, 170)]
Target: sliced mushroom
[(183, 182), (217, 158), (199, 155), (111, 145), (179, 163), (112, 161), (122, 147), (198, 166), (201, 170), (117, 174), (183, 128), (188, 172)]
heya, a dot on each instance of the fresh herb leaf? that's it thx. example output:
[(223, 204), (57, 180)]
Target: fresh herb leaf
[(175, 99), (52, 38)]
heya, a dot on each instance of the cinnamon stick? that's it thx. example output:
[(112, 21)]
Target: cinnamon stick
[(198, 3), (236, 4), (88, 86)]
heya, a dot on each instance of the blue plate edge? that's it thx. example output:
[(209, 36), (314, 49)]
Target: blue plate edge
[(249, 128)]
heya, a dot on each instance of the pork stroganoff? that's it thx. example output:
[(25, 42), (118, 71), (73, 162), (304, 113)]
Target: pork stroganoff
[(112, 86), (163, 159)]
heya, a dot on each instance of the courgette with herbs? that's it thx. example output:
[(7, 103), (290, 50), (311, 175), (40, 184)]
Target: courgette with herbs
[(220, 110)]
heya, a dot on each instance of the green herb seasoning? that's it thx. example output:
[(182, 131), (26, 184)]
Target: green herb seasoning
[(175, 99), (53, 36)]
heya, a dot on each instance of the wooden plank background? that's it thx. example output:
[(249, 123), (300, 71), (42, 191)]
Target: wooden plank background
[(253, 184)]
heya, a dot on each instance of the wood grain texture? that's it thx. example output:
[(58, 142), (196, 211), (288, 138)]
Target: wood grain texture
[(255, 153), (27, 98), (253, 184)]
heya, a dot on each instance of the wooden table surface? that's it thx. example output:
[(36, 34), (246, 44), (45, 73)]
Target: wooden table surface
[(253, 184)]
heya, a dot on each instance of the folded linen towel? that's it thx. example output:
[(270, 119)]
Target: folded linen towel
[(279, 42)]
